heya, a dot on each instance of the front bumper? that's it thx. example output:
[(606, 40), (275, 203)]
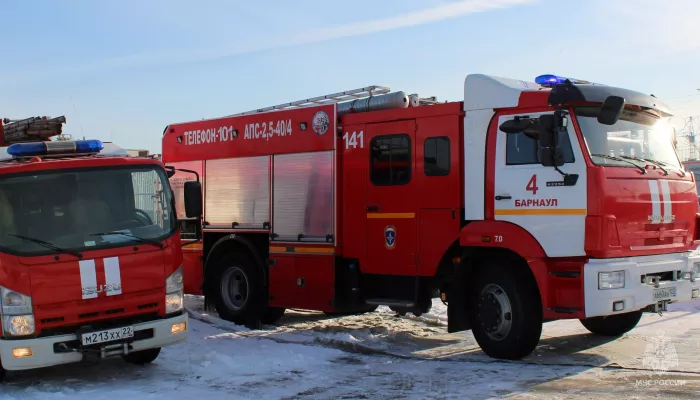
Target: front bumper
[(45, 354), (637, 295)]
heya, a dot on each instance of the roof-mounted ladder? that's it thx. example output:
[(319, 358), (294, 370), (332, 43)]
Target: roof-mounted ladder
[(30, 129), (354, 94)]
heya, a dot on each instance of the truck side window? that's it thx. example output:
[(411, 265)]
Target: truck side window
[(436, 156), (390, 160), (522, 150)]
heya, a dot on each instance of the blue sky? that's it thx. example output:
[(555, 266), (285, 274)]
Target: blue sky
[(122, 70)]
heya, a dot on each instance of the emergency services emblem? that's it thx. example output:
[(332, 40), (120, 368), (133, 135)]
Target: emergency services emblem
[(390, 237), (320, 123)]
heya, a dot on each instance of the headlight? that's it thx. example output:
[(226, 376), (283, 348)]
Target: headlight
[(18, 325), (173, 302), (14, 303), (174, 282), (174, 289), (611, 280), (17, 314)]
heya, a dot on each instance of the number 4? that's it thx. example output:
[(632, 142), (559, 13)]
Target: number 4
[(532, 185)]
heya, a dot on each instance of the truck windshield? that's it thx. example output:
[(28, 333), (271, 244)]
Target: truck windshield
[(84, 209), (638, 137)]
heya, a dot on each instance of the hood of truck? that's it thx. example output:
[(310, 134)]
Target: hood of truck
[(100, 274), (640, 216)]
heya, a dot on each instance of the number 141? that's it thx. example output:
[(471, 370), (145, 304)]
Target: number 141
[(351, 140)]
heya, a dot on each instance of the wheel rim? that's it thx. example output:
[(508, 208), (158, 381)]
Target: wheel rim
[(234, 288), (494, 313)]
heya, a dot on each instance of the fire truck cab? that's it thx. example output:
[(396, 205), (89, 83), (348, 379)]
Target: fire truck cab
[(90, 254), (525, 202)]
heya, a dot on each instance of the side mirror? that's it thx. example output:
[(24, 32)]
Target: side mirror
[(193, 199), (515, 125), (170, 170), (611, 110), (524, 125), (549, 131), (551, 157)]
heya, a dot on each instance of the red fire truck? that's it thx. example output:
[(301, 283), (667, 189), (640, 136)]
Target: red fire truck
[(90, 253), (525, 202)]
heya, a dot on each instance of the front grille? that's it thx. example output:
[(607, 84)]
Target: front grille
[(51, 320), (99, 325), (666, 276)]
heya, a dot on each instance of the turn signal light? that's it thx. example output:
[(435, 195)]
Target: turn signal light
[(178, 328), (22, 352)]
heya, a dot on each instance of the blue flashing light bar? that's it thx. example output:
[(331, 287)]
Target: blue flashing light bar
[(60, 147), (88, 146), (549, 79)]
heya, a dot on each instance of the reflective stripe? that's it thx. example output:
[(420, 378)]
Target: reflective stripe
[(655, 202), (113, 276), (88, 278), (668, 206), (542, 211), (391, 215)]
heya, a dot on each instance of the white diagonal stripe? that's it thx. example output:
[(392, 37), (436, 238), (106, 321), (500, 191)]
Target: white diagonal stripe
[(666, 197), (88, 278), (655, 202), (113, 277)]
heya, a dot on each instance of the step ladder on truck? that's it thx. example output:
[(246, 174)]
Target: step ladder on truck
[(90, 253), (522, 203)]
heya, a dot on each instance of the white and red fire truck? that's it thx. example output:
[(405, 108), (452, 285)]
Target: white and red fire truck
[(525, 202), (90, 252)]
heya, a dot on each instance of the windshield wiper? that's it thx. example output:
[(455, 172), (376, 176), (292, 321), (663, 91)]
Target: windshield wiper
[(646, 160), (644, 171), (131, 235), (660, 163), (48, 245)]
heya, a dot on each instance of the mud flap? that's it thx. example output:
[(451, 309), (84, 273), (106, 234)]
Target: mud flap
[(457, 302)]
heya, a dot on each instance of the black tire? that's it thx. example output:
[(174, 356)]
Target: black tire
[(240, 296), (612, 325), (504, 295), (272, 315), (2, 372), (142, 357)]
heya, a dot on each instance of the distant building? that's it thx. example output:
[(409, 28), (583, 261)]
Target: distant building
[(138, 153)]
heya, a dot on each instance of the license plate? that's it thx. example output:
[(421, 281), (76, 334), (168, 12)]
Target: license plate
[(664, 293), (108, 335)]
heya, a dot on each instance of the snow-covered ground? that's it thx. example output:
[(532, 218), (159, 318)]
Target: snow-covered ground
[(376, 355)]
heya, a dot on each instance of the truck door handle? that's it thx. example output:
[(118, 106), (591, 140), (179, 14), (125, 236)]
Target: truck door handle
[(503, 197), (372, 208)]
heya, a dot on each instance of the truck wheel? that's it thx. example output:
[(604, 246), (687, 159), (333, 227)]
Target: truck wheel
[(612, 325), (240, 297), (505, 312), (272, 315), (2, 372), (142, 357)]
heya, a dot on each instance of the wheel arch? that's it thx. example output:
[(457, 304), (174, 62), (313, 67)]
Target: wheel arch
[(232, 243), (471, 261)]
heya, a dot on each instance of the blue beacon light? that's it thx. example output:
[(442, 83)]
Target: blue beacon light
[(46, 148), (549, 79)]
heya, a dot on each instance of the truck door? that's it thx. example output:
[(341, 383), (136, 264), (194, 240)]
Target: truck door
[(391, 199), (533, 196)]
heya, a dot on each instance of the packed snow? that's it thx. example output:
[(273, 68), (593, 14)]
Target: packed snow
[(375, 355)]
